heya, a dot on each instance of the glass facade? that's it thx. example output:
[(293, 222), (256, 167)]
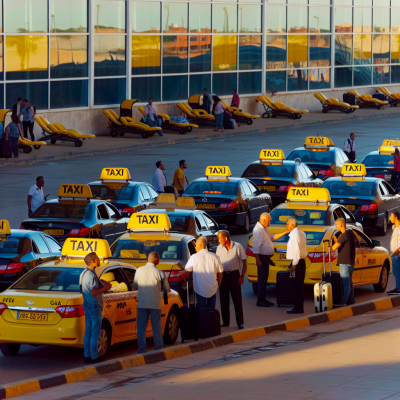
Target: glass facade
[(95, 53)]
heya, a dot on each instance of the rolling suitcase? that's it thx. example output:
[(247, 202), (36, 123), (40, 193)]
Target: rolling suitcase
[(5, 149), (323, 291), (349, 99), (285, 289), (333, 278), (189, 319), (209, 323)]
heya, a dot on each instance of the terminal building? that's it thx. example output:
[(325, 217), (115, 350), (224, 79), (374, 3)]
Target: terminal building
[(73, 58)]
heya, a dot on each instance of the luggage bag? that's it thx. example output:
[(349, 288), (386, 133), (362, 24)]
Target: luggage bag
[(189, 319), (285, 289), (334, 279), (349, 98), (5, 149), (209, 323), (323, 290)]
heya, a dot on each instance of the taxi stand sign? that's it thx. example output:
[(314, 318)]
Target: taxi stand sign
[(73, 191), (355, 170), (5, 229), (271, 156), (80, 248), (308, 195), (218, 172), (149, 222), (115, 177), (389, 150), (318, 143), (391, 143)]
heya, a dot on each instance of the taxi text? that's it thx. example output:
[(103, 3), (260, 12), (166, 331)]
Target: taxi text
[(80, 245), (148, 219), (216, 170), (72, 189)]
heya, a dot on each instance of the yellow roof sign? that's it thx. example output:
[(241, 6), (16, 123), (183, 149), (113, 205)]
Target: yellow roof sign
[(82, 247), (166, 198), (386, 150), (149, 222), (75, 191), (115, 174), (186, 202), (4, 229), (218, 172), (354, 170), (392, 143), (269, 155), (318, 143), (306, 194)]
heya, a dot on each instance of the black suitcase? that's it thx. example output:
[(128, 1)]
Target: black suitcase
[(189, 319), (5, 149), (333, 278), (349, 99), (285, 289), (209, 323), (227, 120), (379, 96)]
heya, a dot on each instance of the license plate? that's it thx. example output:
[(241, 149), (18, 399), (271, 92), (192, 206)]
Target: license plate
[(206, 206), (268, 188), (282, 256), (32, 316), (54, 232), (351, 207)]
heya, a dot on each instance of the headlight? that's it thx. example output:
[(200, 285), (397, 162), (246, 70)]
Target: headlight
[(388, 177)]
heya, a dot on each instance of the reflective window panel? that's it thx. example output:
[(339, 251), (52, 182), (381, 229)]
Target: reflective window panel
[(224, 83), (109, 91), (343, 77), (145, 87), (278, 1), (68, 16), (297, 51), (23, 16), (146, 17), (320, 19), (343, 2), (383, 3), (198, 82), (297, 1), (249, 19), (343, 49), (362, 49), (175, 87), (395, 3), (395, 14), (224, 18), (297, 19), (249, 82), (175, 17), (381, 49), (362, 76), (250, 52), (109, 55), (200, 53), (224, 52), (297, 79), (1, 58), (320, 50), (395, 73), (320, 2), (343, 20), (108, 16), (381, 75), (276, 19), (2, 96), (68, 94), (319, 78), (146, 54), (395, 48), (199, 18), (381, 19), (175, 54), (362, 20), (36, 92), (275, 81), (276, 51), (362, 2)]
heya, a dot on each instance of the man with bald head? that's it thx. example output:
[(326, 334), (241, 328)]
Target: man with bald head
[(263, 250), (148, 281)]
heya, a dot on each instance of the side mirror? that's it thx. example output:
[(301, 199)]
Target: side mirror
[(376, 243), (223, 227)]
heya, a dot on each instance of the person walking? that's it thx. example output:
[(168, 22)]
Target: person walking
[(346, 246), (233, 259), (13, 133), (150, 112), (349, 146), (207, 274), (36, 196), (206, 101), (28, 113), (263, 250), (297, 252), (180, 178), (92, 291), (148, 281), (396, 169), (219, 110), (394, 251), (159, 179), (235, 99)]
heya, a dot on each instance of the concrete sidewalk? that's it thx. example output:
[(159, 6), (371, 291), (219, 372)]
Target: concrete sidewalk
[(108, 145)]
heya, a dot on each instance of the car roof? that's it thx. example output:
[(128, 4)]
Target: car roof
[(302, 148), (284, 162), (79, 263), (95, 201), (356, 179), (376, 152), (186, 213), (230, 180), (130, 183), (304, 206), (149, 235), (22, 232)]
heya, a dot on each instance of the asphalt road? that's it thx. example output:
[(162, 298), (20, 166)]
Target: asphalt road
[(237, 153)]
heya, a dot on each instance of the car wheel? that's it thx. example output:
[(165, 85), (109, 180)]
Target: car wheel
[(171, 329), (380, 287), (246, 227), (255, 288), (383, 229), (10, 349), (103, 342)]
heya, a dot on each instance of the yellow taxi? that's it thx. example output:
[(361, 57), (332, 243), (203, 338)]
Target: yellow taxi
[(45, 306), (149, 232), (316, 217)]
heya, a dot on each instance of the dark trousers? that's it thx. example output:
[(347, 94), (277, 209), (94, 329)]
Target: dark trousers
[(262, 273), (28, 125), (230, 285), (206, 302), (14, 145), (395, 180), (300, 274)]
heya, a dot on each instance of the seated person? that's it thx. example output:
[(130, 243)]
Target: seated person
[(150, 112)]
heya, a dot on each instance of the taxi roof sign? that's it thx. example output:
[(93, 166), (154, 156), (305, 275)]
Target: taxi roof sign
[(218, 172), (82, 247), (308, 195), (75, 191), (186, 202), (166, 198), (149, 222), (319, 143), (115, 176), (391, 143), (5, 229), (271, 155), (387, 149), (357, 170)]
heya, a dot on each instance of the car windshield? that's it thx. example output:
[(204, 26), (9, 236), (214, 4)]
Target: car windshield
[(51, 279), (379, 161), (350, 189), (140, 249), (61, 210), (304, 217), (10, 245), (104, 192), (308, 156), (209, 187), (312, 238), (261, 170)]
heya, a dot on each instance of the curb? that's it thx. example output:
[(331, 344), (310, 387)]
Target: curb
[(191, 139), (79, 374)]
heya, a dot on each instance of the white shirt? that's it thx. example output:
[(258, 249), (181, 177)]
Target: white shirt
[(347, 148), (205, 266), (37, 197), (262, 240), (395, 240), (297, 246), (159, 181)]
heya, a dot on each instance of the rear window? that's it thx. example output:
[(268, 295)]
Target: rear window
[(179, 223), (350, 189), (312, 238), (307, 156), (140, 249), (224, 188), (60, 210), (304, 217), (379, 160), (51, 279), (10, 245), (104, 192), (261, 170)]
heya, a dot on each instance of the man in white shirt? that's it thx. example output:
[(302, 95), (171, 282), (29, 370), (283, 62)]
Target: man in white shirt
[(36, 196), (159, 179), (349, 146), (263, 250), (207, 274), (297, 252)]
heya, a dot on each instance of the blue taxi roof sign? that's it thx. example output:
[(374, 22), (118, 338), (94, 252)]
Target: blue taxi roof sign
[(82, 247), (218, 172), (357, 170), (271, 156), (5, 229), (149, 222)]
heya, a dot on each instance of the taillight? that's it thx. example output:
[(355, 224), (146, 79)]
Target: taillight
[(2, 269), (129, 210), (13, 268), (79, 232), (249, 251), (317, 257), (370, 208), (2, 307), (21, 227), (175, 276), (382, 176), (70, 311), (329, 172), (284, 188), (228, 206)]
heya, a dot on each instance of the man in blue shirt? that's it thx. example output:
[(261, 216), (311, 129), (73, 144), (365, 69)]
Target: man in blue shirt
[(92, 290), (28, 120)]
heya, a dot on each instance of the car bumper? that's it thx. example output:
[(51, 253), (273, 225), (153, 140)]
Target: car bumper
[(370, 221), (229, 218)]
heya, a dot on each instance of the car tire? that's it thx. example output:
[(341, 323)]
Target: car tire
[(104, 340), (380, 287), (10, 349), (171, 329), (246, 227), (255, 288), (383, 229)]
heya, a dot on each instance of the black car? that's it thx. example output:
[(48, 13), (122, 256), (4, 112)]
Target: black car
[(380, 164)]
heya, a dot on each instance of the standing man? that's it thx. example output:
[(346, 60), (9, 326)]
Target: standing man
[(206, 101), (297, 252), (159, 179), (16, 110), (394, 250), (180, 178), (150, 111), (232, 255), (36, 196), (148, 281), (263, 250), (92, 289), (207, 274), (346, 245), (348, 147), (28, 113)]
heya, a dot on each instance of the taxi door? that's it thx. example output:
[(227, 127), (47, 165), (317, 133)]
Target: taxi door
[(370, 260), (119, 222), (107, 224)]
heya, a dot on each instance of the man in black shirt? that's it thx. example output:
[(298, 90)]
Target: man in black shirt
[(346, 245)]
